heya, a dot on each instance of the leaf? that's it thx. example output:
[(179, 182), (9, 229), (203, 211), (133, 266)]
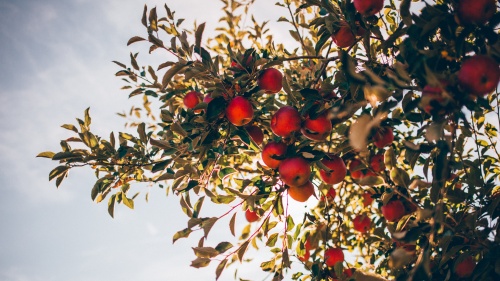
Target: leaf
[(111, 205), (242, 250), (46, 154), (87, 117), (128, 202), (57, 171), (223, 247), (215, 107), (207, 225), (120, 64), (70, 127), (141, 130), (220, 268), (231, 224), (174, 69), (272, 240), (198, 34), (134, 39), (226, 172), (205, 252), (181, 234), (200, 262)]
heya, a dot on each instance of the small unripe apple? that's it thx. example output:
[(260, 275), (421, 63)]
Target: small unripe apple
[(239, 111), (383, 137), (377, 163), (355, 169), (393, 211), (295, 171), (344, 37), (251, 216), (192, 99), (465, 267), (285, 121), (337, 165), (368, 7), (361, 223), (479, 75), (476, 11), (317, 129), (270, 80), (301, 193), (255, 133), (333, 255), (272, 150)]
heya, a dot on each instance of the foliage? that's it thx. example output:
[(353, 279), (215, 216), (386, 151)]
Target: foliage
[(442, 165)]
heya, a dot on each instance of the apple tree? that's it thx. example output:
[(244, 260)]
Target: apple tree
[(385, 121)]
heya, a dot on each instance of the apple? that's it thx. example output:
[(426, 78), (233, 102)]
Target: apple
[(330, 195), (361, 223), (270, 80), (355, 169), (344, 37), (301, 193), (377, 163), (295, 171), (393, 211), (333, 255), (208, 98), (367, 199), (476, 11), (368, 7), (255, 133), (239, 111), (307, 254), (251, 216), (337, 165), (271, 151), (317, 129), (192, 99), (383, 137), (285, 121), (465, 267), (479, 75), (432, 95)]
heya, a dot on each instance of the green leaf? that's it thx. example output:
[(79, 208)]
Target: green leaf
[(223, 247), (226, 172), (272, 240), (128, 202), (111, 205), (181, 234), (215, 108), (57, 171), (46, 154)]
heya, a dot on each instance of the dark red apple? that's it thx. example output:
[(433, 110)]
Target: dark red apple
[(295, 171), (368, 7), (272, 150), (383, 137), (337, 165), (361, 223), (208, 98), (255, 133), (192, 99), (317, 129), (476, 11), (479, 75), (270, 80), (393, 211), (367, 199), (432, 95), (285, 121), (465, 267), (239, 111), (377, 163), (333, 255), (355, 169), (344, 37)]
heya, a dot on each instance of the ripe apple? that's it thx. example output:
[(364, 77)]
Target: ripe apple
[(344, 37), (333, 255), (270, 80), (465, 267), (367, 199), (337, 165), (272, 150), (383, 137), (239, 111), (192, 99), (377, 163), (251, 216), (355, 169), (301, 193), (368, 7), (285, 121), (393, 211), (479, 75), (255, 133), (476, 11), (330, 195), (295, 171), (208, 98), (361, 223), (431, 96), (317, 129), (307, 254)]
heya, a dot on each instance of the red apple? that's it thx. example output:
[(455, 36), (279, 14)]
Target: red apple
[(208, 98), (295, 171), (368, 7), (270, 80), (432, 95), (367, 199), (476, 11), (479, 75), (377, 163), (344, 37), (272, 150), (192, 99), (361, 223), (255, 133), (465, 267), (301, 193), (239, 111), (307, 254), (383, 137), (333, 255), (285, 121), (337, 165), (251, 216), (317, 129), (355, 169), (393, 211), (330, 195)]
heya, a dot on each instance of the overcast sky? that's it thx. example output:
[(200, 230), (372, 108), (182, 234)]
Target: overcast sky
[(55, 61)]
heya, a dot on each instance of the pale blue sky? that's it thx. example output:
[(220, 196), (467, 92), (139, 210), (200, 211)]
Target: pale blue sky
[(55, 61)]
